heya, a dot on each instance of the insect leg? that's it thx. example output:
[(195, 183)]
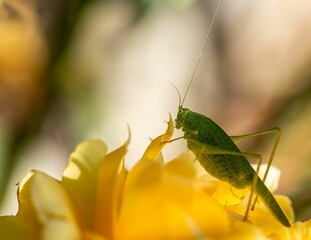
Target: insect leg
[(277, 132), (172, 140), (210, 149), (187, 135)]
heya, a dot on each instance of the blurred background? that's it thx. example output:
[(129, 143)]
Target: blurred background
[(76, 69)]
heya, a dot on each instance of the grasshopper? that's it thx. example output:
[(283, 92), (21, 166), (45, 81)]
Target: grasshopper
[(219, 155)]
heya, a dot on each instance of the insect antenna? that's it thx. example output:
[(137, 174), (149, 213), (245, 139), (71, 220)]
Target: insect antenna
[(202, 51), (179, 96)]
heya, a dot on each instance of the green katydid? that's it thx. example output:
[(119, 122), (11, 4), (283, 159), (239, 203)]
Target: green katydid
[(218, 154)]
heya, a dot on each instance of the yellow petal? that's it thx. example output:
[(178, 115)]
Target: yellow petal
[(165, 202), (111, 180), (144, 165), (25, 225), (54, 208), (80, 178), (155, 147), (93, 236), (179, 178), (300, 230), (262, 218), (241, 230), (227, 195), (145, 211), (12, 228), (26, 212), (209, 216)]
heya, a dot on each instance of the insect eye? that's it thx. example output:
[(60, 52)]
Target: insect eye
[(181, 110)]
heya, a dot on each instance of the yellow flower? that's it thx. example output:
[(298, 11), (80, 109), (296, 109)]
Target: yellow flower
[(98, 199)]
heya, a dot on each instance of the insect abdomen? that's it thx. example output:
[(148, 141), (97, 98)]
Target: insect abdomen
[(233, 169), (272, 205)]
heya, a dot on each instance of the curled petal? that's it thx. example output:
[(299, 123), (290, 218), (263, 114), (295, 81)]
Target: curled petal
[(144, 168), (111, 180), (155, 147), (80, 177)]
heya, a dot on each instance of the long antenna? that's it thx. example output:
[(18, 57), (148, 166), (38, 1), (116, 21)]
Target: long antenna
[(202, 51)]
